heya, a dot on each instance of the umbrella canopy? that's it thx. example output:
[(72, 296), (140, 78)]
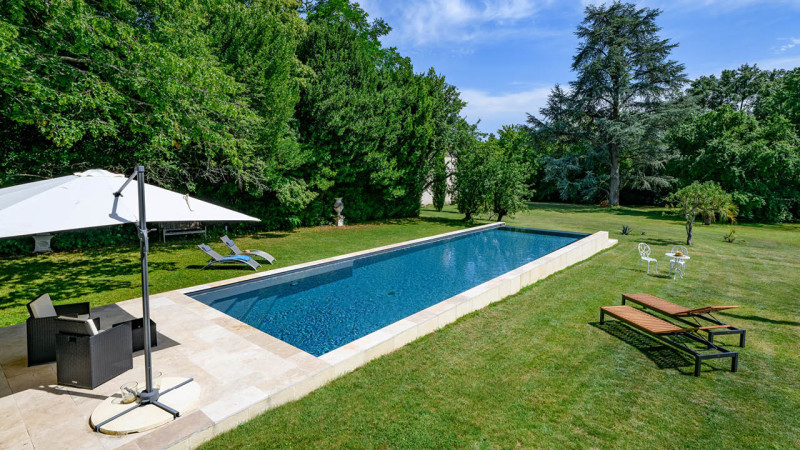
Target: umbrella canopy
[(86, 200)]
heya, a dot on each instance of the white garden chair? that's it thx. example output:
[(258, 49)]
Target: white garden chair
[(644, 253), (678, 265)]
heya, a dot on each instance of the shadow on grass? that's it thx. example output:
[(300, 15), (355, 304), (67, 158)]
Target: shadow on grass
[(641, 269), (223, 267), (657, 214), (92, 272), (664, 356), (456, 222), (764, 319)]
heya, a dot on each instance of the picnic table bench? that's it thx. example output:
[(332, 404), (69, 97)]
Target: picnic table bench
[(181, 228)]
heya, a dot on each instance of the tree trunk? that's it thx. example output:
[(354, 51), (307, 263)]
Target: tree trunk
[(613, 182), (689, 233), (467, 216), (500, 216)]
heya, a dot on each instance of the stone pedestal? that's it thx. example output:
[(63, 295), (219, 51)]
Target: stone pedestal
[(340, 221), (146, 417), (42, 243)]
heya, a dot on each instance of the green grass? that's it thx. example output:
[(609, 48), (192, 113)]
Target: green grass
[(535, 370)]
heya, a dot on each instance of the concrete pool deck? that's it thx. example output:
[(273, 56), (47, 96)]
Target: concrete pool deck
[(241, 370)]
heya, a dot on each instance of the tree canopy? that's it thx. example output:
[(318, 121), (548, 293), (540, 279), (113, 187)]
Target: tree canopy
[(272, 106)]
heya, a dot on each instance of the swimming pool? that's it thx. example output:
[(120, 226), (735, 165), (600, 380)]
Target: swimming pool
[(324, 307)]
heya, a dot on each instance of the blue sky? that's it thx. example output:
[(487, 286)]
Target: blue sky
[(505, 55)]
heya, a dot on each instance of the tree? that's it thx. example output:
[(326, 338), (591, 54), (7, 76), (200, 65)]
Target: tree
[(616, 108), (507, 171), (706, 200), (272, 106), (738, 88), (439, 183), (782, 97), (757, 161), (109, 84), (470, 183), (373, 127)]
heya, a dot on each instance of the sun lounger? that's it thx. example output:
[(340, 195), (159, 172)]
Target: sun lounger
[(682, 313), (237, 251), (233, 259), (671, 334)]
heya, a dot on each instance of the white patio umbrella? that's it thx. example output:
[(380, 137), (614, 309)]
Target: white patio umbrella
[(86, 200), (98, 198)]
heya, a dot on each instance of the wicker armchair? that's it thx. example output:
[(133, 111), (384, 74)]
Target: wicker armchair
[(41, 327), (88, 360)]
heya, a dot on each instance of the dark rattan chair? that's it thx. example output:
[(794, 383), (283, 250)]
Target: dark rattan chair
[(41, 327), (137, 333), (88, 360)]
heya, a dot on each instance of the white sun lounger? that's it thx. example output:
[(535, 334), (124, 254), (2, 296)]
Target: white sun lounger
[(217, 258), (237, 251)]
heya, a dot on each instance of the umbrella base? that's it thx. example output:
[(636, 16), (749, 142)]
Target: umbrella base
[(115, 417)]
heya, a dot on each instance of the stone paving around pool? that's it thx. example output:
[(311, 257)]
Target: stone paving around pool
[(241, 370)]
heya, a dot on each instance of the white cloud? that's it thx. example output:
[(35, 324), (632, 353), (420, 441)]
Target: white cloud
[(496, 110), (717, 6), (423, 22), (793, 42), (779, 63)]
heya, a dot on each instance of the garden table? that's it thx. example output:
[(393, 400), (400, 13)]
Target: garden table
[(676, 262)]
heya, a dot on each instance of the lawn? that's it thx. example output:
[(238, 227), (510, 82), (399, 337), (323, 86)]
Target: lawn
[(535, 370)]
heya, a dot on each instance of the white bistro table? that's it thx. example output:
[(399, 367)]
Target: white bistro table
[(676, 261)]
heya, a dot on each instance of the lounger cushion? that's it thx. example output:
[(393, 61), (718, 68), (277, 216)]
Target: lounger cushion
[(42, 307), (77, 325), (243, 258)]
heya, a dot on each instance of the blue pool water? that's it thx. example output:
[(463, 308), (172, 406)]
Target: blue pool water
[(324, 307)]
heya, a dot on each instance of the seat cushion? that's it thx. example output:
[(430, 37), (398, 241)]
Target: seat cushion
[(76, 325), (42, 307), (244, 258)]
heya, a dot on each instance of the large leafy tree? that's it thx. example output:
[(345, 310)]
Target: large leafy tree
[(507, 171), (374, 128), (782, 97), (757, 161), (275, 106), (111, 83), (739, 88), (615, 112), (471, 184)]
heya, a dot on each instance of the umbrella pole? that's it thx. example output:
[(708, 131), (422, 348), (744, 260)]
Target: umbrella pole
[(144, 245), (150, 395)]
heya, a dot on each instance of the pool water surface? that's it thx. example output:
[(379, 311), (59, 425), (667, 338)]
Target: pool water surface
[(321, 308)]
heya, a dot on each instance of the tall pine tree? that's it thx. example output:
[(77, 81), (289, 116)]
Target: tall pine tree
[(615, 108)]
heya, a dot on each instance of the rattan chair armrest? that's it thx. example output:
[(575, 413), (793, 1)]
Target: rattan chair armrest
[(73, 309)]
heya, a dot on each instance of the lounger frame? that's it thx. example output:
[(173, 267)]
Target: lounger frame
[(721, 352), (707, 316), (235, 250), (217, 258)]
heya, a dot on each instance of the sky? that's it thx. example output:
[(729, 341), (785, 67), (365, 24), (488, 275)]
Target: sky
[(505, 55)]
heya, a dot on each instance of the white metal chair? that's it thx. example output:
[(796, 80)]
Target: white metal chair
[(644, 253), (678, 265)]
